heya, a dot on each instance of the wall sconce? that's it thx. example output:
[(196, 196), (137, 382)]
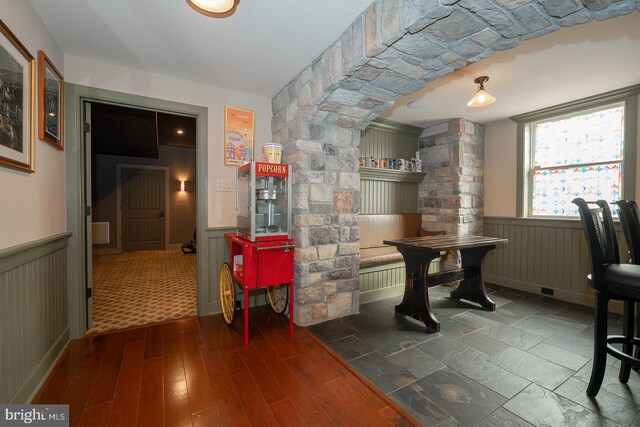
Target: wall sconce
[(182, 184), (482, 97)]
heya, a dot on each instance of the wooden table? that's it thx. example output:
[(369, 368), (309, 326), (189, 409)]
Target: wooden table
[(418, 252)]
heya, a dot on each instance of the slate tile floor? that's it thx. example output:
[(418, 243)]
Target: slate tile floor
[(527, 363)]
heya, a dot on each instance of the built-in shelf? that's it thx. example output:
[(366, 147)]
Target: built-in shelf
[(380, 174)]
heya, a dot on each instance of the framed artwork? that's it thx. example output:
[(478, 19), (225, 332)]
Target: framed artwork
[(50, 102), (238, 136), (17, 103)]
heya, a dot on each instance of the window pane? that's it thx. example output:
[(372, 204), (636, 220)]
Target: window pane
[(589, 138), (554, 189)]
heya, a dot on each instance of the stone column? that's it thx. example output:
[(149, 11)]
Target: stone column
[(451, 197)]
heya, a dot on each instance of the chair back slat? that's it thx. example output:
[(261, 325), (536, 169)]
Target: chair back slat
[(630, 220), (597, 225)]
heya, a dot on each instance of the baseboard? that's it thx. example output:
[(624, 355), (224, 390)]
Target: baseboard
[(559, 294), (36, 380), (380, 294)]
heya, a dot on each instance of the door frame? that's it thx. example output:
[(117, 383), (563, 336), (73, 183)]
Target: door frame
[(75, 97), (167, 214)]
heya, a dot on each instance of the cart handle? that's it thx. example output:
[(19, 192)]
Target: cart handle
[(268, 248)]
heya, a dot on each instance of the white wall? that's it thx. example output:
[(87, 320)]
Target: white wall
[(500, 146), (32, 205), (100, 75), (500, 160)]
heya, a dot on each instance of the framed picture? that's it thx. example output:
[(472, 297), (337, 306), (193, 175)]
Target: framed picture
[(50, 102), (17, 103), (238, 136)]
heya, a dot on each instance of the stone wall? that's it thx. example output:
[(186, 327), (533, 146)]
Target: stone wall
[(451, 197), (392, 49)]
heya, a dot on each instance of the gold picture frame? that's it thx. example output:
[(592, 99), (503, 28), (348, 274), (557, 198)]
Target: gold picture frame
[(17, 103), (239, 130), (50, 102)]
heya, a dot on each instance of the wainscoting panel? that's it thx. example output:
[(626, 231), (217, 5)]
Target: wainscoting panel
[(386, 280), (218, 253), (385, 138), (384, 197), (33, 314), (542, 253)]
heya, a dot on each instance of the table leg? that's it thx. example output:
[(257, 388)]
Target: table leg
[(471, 288), (415, 302)]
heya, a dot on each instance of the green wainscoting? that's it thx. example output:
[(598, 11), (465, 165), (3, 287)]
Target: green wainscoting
[(34, 324), (547, 253), (385, 138), (218, 253), (381, 197), (387, 280)]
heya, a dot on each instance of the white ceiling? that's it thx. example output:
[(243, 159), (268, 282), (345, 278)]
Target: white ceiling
[(257, 50), (267, 42)]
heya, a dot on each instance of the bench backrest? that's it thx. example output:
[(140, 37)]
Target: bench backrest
[(378, 227)]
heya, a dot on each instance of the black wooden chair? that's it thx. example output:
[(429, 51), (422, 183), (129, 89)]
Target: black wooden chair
[(610, 281), (630, 220)]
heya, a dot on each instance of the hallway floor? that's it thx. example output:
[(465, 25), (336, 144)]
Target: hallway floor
[(144, 287), (528, 363), (197, 372)]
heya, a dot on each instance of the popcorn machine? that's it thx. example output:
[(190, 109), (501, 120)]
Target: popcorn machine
[(261, 249)]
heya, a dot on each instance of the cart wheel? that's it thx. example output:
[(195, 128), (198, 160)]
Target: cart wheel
[(278, 296), (227, 293)]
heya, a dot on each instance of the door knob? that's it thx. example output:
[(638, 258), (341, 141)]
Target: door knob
[(161, 214)]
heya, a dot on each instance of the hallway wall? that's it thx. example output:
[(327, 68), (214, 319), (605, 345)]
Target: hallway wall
[(33, 204)]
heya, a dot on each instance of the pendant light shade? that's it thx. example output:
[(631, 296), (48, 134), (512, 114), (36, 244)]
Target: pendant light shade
[(482, 97), (214, 8)]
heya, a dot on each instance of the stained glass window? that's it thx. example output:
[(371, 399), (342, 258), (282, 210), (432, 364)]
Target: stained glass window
[(577, 156)]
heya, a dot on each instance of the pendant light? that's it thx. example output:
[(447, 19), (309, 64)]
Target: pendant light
[(214, 8), (482, 97)]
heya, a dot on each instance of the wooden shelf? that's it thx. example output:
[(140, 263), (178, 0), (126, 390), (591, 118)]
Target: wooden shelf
[(379, 174)]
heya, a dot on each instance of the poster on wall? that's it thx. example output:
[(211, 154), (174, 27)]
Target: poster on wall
[(17, 68), (238, 136)]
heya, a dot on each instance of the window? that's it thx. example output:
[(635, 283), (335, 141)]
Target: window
[(574, 150)]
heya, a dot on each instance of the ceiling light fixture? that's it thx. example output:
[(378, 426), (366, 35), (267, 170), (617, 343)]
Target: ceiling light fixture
[(214, 8), (482, 97)]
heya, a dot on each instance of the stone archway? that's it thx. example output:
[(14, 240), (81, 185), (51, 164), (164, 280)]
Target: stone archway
[(393, 49)]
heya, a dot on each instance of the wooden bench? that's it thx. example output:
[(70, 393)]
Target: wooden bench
[(382, 272)]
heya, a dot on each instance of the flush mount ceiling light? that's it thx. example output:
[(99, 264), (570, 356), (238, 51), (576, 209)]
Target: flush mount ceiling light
[(214, 8), (482, 97)]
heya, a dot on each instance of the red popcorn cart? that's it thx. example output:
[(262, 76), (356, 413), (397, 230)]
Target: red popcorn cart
[(261, 250)]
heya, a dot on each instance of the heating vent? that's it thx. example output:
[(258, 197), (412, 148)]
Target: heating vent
[(100, 232)]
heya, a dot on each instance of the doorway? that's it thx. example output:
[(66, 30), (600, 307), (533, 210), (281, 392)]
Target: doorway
[(139, 275), (79, 208)]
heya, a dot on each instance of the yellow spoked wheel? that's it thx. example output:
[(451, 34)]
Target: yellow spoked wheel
[(278, 297), (227, 293)]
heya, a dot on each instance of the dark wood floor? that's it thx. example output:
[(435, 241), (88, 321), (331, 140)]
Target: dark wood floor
[(196, 372)]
